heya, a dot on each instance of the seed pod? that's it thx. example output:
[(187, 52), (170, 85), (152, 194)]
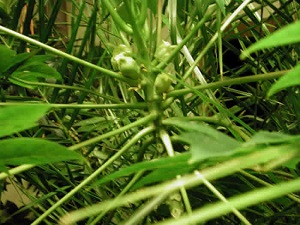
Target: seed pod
[(129, 68), (164, 50), (122, 49), (162, 83), (120, 52)]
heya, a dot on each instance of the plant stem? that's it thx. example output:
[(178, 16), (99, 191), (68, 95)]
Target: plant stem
[(62, 54), (83, 106), (117, 19), (140, 122), (214, 38), (16, 170), (146, 209), (227, 82), (260, 181), (221, 170), (223, 199), (138, 37), (241, 201), (90, 178)]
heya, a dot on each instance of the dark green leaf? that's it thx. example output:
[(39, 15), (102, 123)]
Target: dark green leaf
[(43, 69), (17, 118), (205, 141), (10, 59), (290, 79), (153, 6), (3, 168), (289, 34), (20, 151), (165, 163), (163, 174), (267, 138), (6, 56)]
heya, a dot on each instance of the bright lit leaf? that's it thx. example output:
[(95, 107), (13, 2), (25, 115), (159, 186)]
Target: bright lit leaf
[(17, 118), (292, 78), (205, 141)]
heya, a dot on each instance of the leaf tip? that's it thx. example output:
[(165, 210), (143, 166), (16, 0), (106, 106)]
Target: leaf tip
[(245, 54)]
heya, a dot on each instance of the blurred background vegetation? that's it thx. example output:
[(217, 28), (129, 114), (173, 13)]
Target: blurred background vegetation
[(101, 113)]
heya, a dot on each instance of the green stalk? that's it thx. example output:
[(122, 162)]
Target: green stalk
[(223, 199), (117, 19), (137, 36), (71, 43), (143, 13), (137, 123), (190, 35), (260, 181), (214, 38), (220, 47), (137, 176), (16, 170), (94, 175), (84, 106), (165, 138), (242, 201), (227, 82), (212, 173), (146, 209), (63, 54), (159, 22), (74, 73)]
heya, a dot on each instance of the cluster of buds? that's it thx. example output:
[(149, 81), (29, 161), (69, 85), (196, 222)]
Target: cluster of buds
[(123, 61), (162, 83)]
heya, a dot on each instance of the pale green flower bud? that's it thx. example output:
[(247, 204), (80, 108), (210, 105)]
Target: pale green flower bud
[(129, 68), (164, 50), (162, 83)]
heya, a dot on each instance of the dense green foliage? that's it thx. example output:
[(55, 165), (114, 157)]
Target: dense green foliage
[(150, 112)]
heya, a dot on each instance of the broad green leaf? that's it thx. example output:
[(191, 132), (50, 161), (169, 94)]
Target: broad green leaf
[(17, 118), (9, 58), (43, 69), (6, 56), (40, 58), (289, 34), (292, 78), (18, 60), (205, 141), (18, 151), (268, 138), (22, 79), (165, 173), (165, 163)]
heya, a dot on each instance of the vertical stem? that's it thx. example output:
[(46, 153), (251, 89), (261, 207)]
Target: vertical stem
[(220, 47), (159, 21)]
